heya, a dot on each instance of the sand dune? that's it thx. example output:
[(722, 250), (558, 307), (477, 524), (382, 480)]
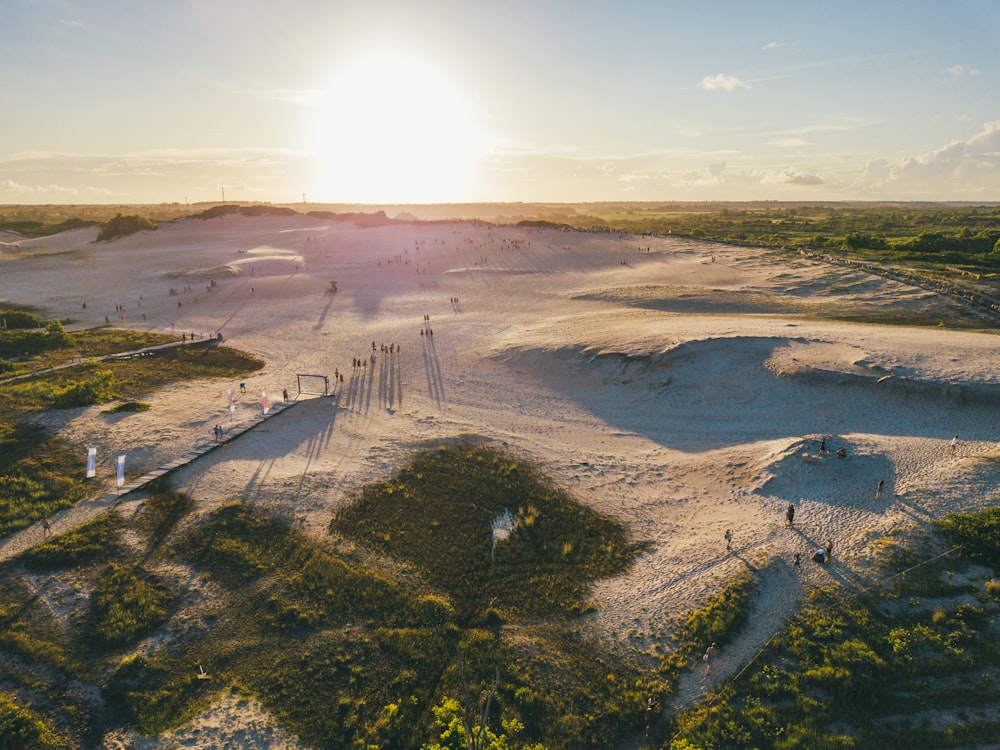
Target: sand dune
[(683, 390)]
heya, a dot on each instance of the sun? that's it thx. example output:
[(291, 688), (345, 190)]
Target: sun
[(393, 129)]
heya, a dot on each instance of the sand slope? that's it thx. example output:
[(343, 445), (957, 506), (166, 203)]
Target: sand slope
[(683, 390)]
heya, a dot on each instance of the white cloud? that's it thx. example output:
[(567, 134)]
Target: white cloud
[(960, 71), (790, 142), (722, 82), (773, 45), (804, 179), (960, 170)]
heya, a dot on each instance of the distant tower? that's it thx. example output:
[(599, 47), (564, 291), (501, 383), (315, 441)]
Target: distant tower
[(223, 193)]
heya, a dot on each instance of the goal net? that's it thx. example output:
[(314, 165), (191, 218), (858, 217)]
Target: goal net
[(318, 384)]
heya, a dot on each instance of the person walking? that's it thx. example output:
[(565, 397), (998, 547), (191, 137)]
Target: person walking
[(789, 515), (709, 658), (728, 536), (879, 488), (953, 446)]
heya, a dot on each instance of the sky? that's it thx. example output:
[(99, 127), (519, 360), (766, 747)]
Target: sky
[(433, 101)]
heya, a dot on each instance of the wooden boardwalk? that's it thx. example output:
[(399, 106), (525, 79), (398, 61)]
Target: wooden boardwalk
[(85, 510)]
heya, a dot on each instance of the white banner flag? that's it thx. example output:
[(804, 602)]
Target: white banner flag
[(263, 401), (229, 395), (91, 463), (120, 480)]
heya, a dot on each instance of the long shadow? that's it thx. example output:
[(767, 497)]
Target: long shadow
[(721, 372), (324, 312), (432, 370), (842, 574)]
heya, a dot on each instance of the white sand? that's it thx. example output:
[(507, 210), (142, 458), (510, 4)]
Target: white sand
[(677, 394)]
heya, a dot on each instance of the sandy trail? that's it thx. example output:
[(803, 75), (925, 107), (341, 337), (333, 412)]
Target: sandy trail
[(680, 395)]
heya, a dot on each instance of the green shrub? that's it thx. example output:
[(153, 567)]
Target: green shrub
[(99, 388), (127, 407), (22, 728), (437, 513), (94, 541), (122, 226), (128, 602), (161, 513), (978, 532)]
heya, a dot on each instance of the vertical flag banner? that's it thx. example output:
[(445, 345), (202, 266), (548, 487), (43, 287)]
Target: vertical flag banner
[(120, 479), (263, 401), (91, 463), (229, 395)]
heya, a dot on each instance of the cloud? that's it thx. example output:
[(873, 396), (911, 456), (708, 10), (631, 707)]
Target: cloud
[(790, 142), (773, 45), (960, 170), (150, 176), (960, 71), (791, 177), (722, 82)]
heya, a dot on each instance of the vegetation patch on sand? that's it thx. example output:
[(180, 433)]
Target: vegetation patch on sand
[(441, 521), (913, 663), (349, 643), (41, 473)]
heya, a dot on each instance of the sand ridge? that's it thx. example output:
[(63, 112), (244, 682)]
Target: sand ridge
[(676, 389)]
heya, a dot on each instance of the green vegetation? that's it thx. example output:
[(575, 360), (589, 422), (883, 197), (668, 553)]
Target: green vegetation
[(861, 671), (558, 545), (361, 640), (978, 533), (24, 342), (128, 602), (95, 541), (345, 646), (41, 473), (123, 226), (716, 622), (12, 318), (128, 407), (21, 728)]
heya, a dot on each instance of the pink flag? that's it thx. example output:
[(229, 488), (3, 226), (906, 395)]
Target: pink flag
[(229, 395), (263, 401)]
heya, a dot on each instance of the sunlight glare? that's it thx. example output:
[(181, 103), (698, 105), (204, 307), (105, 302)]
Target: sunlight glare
[(394, 130)]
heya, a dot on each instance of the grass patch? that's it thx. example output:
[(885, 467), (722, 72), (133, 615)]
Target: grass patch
[(977, 532), (441, 520), (128, 602), (161, 513), (40, 473), (21, 728), (717, 622), (128, 407), (94, 541), (868, 671), (345, 656)]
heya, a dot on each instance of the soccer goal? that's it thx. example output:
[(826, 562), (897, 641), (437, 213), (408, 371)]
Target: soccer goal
[(318, 384)]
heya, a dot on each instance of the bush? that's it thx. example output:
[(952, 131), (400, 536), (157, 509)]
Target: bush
[(438, 512), (94, 541), (122, 226), (128, 602), (22, 728), (978, 533), (97, 389)]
